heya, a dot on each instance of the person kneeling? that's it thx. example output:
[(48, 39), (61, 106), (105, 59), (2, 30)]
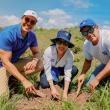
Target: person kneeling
[(58, 60)]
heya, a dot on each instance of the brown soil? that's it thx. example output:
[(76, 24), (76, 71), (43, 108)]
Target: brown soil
[(39, 102)]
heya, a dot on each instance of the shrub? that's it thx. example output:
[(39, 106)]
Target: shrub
[(41, 29)]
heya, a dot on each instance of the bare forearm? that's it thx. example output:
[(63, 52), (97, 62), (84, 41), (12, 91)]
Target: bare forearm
[(36, 52), (86, 66), (105, 72), (51, 83), (52, 87), (66, 87), (36, 55)]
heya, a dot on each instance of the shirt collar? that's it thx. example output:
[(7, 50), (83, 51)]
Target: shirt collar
[(54, 50)]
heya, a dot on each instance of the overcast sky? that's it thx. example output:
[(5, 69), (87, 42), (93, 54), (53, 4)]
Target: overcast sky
[(56, 13)]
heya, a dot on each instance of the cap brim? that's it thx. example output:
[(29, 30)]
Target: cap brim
[(86, 25), (71, 45)]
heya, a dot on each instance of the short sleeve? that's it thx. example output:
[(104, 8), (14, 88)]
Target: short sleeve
[(86, 51), (68, 67), (34, 40), (47, 63), (107, 43), (6, 41)]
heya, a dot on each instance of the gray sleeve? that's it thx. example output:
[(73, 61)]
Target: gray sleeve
[(47, 63), (68, 67)]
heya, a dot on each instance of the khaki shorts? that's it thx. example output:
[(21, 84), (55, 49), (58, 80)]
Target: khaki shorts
[(4, 74)]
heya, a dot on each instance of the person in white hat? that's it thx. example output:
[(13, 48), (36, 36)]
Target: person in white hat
[(14, 41)]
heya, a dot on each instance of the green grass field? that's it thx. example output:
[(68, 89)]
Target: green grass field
[(101, 96)]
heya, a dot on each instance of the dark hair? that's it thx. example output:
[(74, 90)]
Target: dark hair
[(23, 16), (53, 44), (94, 25)]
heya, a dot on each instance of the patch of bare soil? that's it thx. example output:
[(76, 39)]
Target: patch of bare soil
[(39, 102)]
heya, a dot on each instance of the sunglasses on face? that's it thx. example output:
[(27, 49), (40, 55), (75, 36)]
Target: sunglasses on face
[(91, 30), (65, 43), (31, 22)]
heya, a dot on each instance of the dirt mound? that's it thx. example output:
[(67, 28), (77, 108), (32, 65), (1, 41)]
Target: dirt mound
[(39, 102)]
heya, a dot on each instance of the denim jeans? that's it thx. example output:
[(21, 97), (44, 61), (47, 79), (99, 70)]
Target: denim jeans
[(95, 73)]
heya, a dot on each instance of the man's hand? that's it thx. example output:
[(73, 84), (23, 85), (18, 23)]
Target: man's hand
[(30, 65), (93, 84), (28, 86), (80, 79), (54, 92)]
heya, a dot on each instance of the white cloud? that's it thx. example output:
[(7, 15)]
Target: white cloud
[(64, 17), (106, 27), (57, 19), (66, 4), (8, 20), (105, 22), (81, 3), (53, 22), (12, 20), (56, 23), (40, 20), (55, 12)]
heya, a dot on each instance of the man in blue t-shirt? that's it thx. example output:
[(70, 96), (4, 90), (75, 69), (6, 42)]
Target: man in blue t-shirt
[(14, 41)]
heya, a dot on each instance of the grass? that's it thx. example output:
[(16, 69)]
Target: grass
[(101, 99), (101, 96), (21, 89), (6, 104)]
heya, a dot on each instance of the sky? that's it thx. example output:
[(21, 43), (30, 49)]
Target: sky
[(56, 13)]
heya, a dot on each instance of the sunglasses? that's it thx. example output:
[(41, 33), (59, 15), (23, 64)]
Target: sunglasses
[(91, 30), (31, 22), (65, 43)]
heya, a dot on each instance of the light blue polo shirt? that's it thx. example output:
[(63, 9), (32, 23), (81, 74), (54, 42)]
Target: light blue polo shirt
[(12, 40)]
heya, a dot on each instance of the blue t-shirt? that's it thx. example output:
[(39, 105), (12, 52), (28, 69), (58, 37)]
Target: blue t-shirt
[(12, 40)]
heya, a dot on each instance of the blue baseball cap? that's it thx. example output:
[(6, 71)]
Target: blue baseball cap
[(65, 36), (87, 22)]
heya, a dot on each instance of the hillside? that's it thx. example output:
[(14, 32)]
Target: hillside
[(44, 36)]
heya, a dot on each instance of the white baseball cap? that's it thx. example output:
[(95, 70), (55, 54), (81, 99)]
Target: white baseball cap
[(31, 13)]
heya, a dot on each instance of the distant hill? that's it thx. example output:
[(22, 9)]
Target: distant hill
[(44, 36)]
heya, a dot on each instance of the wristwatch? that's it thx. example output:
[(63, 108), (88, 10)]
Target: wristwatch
[(35, 59)]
